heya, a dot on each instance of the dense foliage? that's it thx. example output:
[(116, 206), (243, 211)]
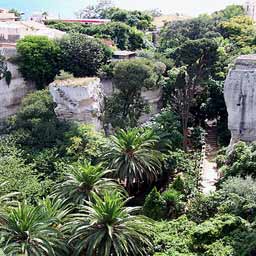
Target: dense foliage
[(82, 56), (38, 59), (66, 189), (126, 105)]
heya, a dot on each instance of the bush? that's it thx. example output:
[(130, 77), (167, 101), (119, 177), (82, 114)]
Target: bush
[(203, 207), (241, 161), (214, 229), (81, 142), (179, 184), (38, 59), (239, 197), (154, 206), (174, 237), (19, 176), (173, 201), (35, 124), (83, 56)]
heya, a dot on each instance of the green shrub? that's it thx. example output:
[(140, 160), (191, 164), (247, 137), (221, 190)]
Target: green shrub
[(219, 248), (179, 184), (83, 56), (126, 106), (38, 59), (239, 197), (174, 237), (173, 199), (214, 229), (19, 176), (203, 207), (35, 124), (154, 206)]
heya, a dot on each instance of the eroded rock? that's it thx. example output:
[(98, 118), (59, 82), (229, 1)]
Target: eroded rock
[(240, 98), (11, 95), (78, 99)]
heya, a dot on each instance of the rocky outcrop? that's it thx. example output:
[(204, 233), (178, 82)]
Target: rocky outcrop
[(78, 99), (11, 95), (240, 98), (153, 98)]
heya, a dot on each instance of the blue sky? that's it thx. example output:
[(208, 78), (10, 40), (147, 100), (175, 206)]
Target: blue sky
[(66, 8)]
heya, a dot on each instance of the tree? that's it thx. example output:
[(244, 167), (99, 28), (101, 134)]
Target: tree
[(26, 230), (194, 61), (83, 180), (240, 30), (83, 56), (176, 33), (36, 124), (129, 77), (107, 227), (38, 59), (123, 35), (133, 158), (229, 12), (95, 11), (17, 13), (155, 12), (140, 20)]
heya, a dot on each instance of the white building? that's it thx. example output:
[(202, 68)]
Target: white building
[(5, 15), (250, 8)]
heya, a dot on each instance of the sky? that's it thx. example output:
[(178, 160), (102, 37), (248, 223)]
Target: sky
[(67, 8)]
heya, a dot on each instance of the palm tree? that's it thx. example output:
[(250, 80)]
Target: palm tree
[(82, 180), (133, 157), (27, 231), (106, 227), (56, 209)]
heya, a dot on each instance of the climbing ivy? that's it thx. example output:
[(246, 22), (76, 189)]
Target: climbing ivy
[(4, 72)]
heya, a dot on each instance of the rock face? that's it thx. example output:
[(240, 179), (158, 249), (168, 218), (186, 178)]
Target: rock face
[(153, 98), (78, 99), (240, 98), (12, 95)]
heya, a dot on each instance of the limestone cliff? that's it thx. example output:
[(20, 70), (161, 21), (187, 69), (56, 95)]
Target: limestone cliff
[(78, 99), (240, 98), (11, 95)]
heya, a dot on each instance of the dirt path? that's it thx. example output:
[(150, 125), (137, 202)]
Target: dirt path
[(210, 173)]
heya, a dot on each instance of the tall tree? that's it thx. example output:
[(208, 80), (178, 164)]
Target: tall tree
[(126, 106), (194, 63)]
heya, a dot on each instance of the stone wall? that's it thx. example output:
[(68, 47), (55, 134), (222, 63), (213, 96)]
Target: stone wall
[(78, 99), (240, 98), (12, 95)]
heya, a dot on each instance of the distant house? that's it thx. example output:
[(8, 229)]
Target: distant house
[(11, 31), (123, 55), (5, 15)]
